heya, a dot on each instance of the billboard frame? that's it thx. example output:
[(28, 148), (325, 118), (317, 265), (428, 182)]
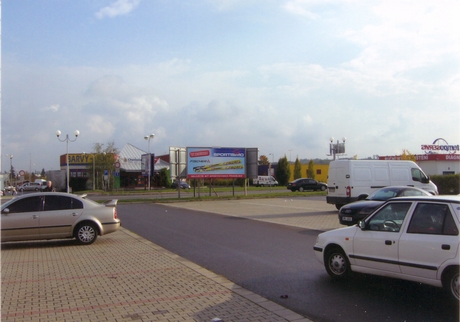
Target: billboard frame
[(216, 163)]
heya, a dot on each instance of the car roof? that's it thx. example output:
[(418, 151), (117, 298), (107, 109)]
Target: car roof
[(43, 193), (400, 187), (443, 198)]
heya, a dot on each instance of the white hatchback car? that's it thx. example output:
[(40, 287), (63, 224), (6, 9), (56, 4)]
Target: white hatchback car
[(411, 238)]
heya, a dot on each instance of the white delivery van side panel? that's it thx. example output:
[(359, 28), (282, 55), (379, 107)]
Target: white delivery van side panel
[(381, 176), (360, 178), (348, 179), (400, 174), (368, 175)]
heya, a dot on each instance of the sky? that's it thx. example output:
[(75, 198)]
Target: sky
[(283, 76)]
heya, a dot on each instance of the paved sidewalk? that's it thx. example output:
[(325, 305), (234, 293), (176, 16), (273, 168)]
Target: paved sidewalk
[(123, 277), (299, 212)]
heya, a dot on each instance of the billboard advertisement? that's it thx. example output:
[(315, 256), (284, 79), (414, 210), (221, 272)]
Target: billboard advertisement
[(147, 164), (216, 163)]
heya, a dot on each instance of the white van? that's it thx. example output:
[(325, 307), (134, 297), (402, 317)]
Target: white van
[(265, 181), (351, 180)]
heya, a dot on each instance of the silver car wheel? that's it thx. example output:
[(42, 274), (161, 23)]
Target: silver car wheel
[(86, 234)]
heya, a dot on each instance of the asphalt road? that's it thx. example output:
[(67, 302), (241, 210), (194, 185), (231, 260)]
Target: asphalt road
[(277, 262)]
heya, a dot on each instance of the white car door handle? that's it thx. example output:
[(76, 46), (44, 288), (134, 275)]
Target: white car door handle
[(35, 216)]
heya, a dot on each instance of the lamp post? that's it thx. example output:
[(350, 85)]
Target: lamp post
[(148, 138), (30, 167), (338, 148), (270, 169), (94, 170), (66, 140), (11, 168)]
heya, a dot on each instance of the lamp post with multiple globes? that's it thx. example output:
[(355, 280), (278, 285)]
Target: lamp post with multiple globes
[(149, 163), (67, 140)]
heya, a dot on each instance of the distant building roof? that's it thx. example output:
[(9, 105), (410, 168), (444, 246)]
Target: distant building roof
[(130, 158)]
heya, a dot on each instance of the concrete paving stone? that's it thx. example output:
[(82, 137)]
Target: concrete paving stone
[(123, 277)]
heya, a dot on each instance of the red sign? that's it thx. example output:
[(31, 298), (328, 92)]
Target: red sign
[(202, 153), (427, 157)]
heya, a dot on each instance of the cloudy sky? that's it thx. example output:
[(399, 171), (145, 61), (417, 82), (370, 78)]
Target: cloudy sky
[(280, 75)]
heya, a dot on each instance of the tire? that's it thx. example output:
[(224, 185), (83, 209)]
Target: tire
[(86, 233), (451, 282), (323, 188), (337, 264), (301, 189), (337, 206)]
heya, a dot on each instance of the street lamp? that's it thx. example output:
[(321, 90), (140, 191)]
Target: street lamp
[(30, 167), (148, 138), (338, 148), (270, 164), (66, 140), (11, 168)]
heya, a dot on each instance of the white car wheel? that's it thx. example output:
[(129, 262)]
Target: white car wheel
[(336, 263)]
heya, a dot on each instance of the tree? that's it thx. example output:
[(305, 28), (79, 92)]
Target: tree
[(311, 169), (297, 169), (104, 159), (406, 155), (263, 160), (283, 171), (164, 178)]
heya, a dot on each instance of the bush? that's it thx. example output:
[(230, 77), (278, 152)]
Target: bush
[(447, 184)]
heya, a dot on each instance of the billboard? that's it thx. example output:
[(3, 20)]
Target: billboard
[(147, 164), (216, 163)]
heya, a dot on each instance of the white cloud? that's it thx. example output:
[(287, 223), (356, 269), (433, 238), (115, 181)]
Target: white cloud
[(301, 8), (118, 8), (100, 126), (397, 87), (52, 108)]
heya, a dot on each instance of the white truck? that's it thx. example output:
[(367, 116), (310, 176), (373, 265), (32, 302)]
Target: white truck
[(351, 180), (264, 181)]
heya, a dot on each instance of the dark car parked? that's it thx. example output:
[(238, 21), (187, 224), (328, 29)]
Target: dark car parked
[(352, 213), (304, 184), (183, 185)]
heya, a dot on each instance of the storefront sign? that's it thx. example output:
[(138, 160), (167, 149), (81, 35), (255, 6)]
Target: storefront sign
[(435, 147)]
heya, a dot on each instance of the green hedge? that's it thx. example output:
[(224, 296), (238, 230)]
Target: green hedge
[(447, 184)]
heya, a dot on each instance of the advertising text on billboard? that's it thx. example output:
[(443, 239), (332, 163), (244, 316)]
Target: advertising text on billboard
[(216, 162)]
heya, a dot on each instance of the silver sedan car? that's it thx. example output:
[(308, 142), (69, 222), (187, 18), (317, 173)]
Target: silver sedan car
[(55, 215)]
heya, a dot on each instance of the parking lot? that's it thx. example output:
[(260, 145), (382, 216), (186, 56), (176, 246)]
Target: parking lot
[(123, 277)]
